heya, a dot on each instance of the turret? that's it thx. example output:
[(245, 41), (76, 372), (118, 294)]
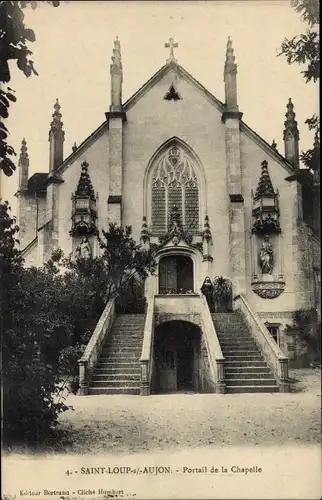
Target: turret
[(23, 166), (56, 139), (291, 136), (116, 71)]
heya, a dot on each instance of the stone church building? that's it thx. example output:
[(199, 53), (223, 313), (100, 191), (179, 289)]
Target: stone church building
[(186, 172)]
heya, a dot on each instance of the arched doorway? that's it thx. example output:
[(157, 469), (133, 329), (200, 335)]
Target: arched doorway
[(176, 356), (175, 274)]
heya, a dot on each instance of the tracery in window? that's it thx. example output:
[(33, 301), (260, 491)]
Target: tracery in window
[(174, 182)]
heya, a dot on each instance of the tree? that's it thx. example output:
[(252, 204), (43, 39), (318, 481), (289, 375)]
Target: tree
[(304, 49), (127, 264), (14, 39), (48, 316)]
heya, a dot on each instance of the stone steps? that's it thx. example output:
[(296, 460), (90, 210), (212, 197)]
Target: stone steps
[(118, 368), (245, 369), (250, 381), (124, 382), (237, 389), (246, 375), (113, 390)]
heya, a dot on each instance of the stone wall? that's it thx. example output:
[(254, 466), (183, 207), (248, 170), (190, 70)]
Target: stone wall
[(29, 207), (206, 383), (150, 123)]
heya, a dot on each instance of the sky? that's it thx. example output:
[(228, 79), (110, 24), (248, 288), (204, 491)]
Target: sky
[(73, 49)]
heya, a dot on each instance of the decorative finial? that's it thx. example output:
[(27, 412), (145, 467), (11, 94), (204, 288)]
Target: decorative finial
[(171, 44), (290, 122), (56, 124), (265, 187), (230, 58), (74, 147), (274, 145), (206, 234), (85, 187), (116, 58), (24, 150), (145, 234)]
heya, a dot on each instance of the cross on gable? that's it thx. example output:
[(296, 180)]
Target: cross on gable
[(171, 44)]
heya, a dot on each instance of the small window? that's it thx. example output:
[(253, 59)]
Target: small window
[(274, 331), (172, 94)]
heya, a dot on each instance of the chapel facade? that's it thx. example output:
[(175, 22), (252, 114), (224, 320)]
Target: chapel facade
[(188, 174)]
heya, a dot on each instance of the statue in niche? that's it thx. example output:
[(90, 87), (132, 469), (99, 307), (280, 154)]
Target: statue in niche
[(85, 249), (266, 256)]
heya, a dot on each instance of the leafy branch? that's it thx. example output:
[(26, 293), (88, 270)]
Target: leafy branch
[(14, 46)]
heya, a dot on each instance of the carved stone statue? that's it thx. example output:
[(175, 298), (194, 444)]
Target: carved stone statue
[(266, 256), (85, 248)]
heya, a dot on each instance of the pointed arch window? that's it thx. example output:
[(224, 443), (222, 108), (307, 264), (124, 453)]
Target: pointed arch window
[(174, 182)]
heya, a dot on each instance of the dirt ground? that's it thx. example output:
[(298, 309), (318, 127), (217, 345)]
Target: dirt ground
[(132, 424), (135, 424)]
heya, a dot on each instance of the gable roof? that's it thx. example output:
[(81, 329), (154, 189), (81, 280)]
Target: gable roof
[(220, 106), (184, 74)]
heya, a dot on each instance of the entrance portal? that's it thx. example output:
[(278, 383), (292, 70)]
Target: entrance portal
[(176, 353), (175, 274)]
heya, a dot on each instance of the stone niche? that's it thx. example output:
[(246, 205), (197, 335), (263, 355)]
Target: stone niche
[(266, 240)]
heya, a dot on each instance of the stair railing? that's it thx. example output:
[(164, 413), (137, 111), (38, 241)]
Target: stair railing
[(146, 360), (93, 349), (215, 355), (272, 353)]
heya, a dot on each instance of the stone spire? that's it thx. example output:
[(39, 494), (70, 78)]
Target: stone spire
[(230, 78), (265, 187), (56, 139), (85, 187), (291, 136), (116, 71), (23, 166)]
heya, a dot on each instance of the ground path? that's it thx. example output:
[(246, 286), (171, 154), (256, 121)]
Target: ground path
[(132, 424)]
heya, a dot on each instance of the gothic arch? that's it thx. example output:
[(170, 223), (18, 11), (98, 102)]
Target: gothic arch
[(189, 168)]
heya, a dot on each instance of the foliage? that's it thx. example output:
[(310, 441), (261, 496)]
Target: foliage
[(304, 49), (14, 46), (30, 410), (127, 264), (48, 316), (222, 291), (308, 328)]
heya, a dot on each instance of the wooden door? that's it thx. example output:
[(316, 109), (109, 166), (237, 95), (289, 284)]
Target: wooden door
[(168, 275), (168, 371)]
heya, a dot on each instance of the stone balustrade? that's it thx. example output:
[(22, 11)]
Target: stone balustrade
[(272, 353), (93, 349), (215, 356), (147, 357)]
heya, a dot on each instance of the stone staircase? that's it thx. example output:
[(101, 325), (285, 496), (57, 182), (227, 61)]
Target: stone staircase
[(118, 368), (245, 368)]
